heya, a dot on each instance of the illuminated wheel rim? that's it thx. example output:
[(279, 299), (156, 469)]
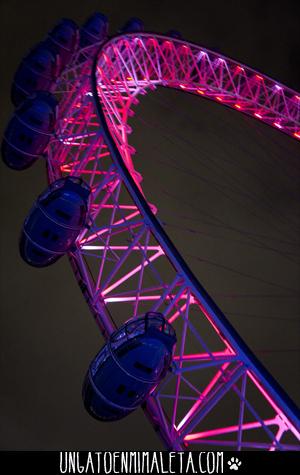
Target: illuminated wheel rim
[(124, 258)]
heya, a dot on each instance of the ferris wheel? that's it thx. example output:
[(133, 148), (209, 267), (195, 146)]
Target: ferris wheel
[(169, 347)]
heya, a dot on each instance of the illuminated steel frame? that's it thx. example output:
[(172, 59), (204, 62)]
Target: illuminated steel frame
[(126, 264)]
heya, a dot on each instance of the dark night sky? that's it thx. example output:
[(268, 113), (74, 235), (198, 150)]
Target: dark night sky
[(47, 334)]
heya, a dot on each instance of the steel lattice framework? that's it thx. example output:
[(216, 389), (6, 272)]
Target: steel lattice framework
[(217, 393)]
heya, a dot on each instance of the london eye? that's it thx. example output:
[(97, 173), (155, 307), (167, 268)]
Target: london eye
[(74, 95)]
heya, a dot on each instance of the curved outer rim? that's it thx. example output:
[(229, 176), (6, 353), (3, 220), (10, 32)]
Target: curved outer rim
[(274, 389), (290, 91), (191, 43)]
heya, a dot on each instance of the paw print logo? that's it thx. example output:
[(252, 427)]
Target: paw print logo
[(234, 463)]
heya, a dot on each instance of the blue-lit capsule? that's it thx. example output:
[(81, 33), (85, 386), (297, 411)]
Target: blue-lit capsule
[(132, 25), (29, 131), (55, 221), (62, 40), (95, 29), (129, 367), (37, 72)]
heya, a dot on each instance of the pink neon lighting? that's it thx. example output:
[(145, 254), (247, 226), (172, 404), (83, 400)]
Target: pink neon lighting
[(209, 77), (142, 298), (69, 166), (105, 206), (272, 403), (297, 135), (103, 231), (208, 388), (153, 297), (123, 248), (149, 298), (229, 429), (85, 172), (131, 273), (277, 125), (203, 356), (177, 314)]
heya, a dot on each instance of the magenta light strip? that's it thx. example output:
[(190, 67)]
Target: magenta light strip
[(280, 413), (127, 276), (228, 430), (206, 391), (122, 248), (203, 356), (94, 236)]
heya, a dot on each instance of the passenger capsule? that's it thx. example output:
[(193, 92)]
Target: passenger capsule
[(132, 25), (55, 221), (62, 40), (95, 29), (129, 367), (29, 131), (37, 72)]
